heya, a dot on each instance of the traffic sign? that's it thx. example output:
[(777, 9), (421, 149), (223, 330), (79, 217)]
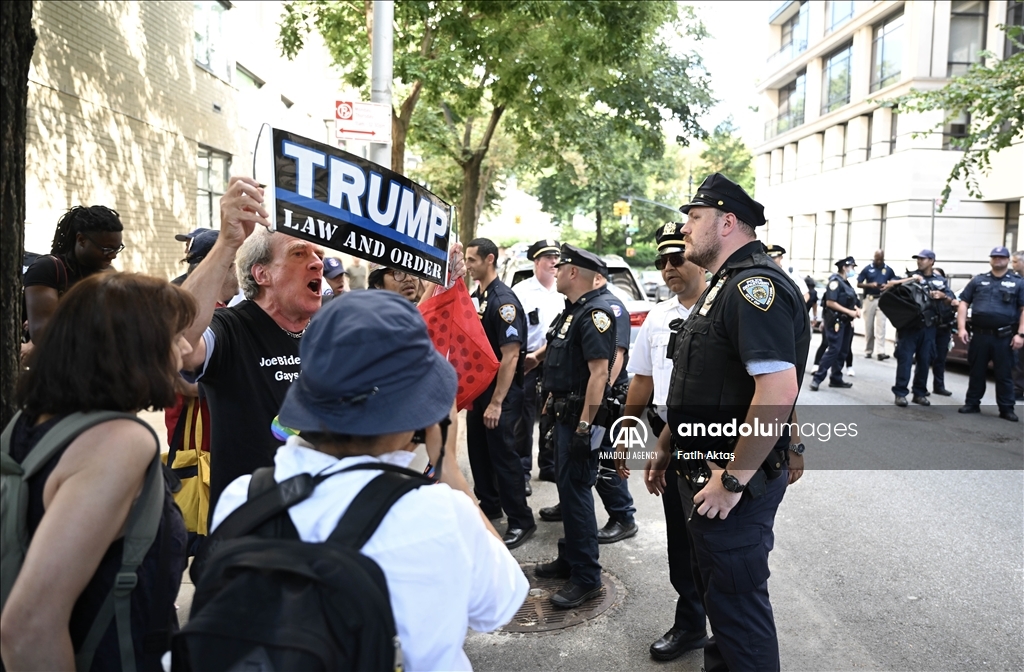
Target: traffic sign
[(630, 252), (359, 120)]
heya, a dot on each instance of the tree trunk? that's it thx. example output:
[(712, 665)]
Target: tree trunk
[(599, 238), (18, 40), (469, 216)]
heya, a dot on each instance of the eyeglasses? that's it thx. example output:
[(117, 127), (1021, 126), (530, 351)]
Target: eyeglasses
[(107, 251), (676, 259), (399, 276)]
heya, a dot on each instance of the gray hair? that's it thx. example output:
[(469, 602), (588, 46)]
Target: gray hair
[(1019, 254), (257, 249)]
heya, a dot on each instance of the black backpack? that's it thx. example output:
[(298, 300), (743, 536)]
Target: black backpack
[(265, 600), (908, 306)]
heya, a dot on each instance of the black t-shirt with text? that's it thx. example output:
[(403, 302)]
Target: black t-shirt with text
[(253, 363)]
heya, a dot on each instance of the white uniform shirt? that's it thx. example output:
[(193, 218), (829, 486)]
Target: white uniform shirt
[(651, 346), (445, 571), (547, 302)]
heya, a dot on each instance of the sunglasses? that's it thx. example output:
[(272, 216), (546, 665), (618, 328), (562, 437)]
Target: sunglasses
[(107, 251), (676, 259)]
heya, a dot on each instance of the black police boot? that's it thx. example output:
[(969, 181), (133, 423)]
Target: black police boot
[(841, 383), (556, 569), (552, 514), (901, 401), (571, 595), (1005, 415), (968, 408), (516, 536), (814, 385), (676, 642), (529, 489), (616, 531), (942, 392), (923, 401)]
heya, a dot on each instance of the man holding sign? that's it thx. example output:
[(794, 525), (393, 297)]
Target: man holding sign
[(248, 356)]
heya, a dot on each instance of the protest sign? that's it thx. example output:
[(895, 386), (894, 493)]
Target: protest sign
[(342, 201)]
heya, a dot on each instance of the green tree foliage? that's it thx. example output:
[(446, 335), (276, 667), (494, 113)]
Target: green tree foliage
[(547, 68), (991, 92), (727, 154)]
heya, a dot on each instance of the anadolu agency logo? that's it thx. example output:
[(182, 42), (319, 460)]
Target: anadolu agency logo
[(629, 443)]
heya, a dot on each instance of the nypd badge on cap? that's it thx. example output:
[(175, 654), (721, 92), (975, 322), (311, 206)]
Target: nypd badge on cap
[(542, 248)]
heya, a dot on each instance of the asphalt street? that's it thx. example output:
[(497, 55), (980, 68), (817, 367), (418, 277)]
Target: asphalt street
[(873, 569)]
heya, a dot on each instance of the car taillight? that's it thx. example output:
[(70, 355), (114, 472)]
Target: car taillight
[(637, 319)]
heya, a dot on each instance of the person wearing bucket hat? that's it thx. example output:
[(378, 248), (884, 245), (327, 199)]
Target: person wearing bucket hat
[(915, 345), (996, 300), (738, 357), (842, 307), (370, 378)]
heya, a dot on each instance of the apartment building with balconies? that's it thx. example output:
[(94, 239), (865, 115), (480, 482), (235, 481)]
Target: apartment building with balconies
[(839, 174)]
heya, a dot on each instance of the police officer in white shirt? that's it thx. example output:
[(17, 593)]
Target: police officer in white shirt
[(542, 304), (370, 379), (651, 366)]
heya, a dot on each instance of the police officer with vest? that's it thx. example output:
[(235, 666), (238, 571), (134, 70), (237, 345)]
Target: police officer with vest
[(739, 357), (497, 471), (915, 346), (842, 307), (543, 304), (577, 360), (997, 330)]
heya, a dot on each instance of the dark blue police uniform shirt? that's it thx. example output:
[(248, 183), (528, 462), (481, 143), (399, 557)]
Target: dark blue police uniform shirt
[(502, 316), (623, 327), (839, 290), (872, 273), (995, 302)]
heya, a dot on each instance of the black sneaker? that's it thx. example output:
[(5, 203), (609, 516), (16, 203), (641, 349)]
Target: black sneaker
[(556, 569), (923, 401), (942, 392), (883, 357), (902, 402), (841, 383), (814, 385), (571, 595), (967, 408), (1008, 415)]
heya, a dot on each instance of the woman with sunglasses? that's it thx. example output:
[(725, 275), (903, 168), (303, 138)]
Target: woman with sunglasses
[(87, 239)]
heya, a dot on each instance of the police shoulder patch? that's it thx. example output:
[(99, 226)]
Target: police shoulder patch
[(601, 320), (507, 312), (758, 291), (832, 285), (616, 310)]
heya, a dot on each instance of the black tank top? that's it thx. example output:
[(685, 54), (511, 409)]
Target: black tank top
[(153, 598)]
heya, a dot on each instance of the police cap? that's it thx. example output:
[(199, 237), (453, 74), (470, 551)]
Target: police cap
[(774, 250), (718, 191), (848, 261), (575, 256), (541, 248), (670, 238), (999, 252)]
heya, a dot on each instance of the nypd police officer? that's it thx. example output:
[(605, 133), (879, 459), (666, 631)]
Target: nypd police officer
[(542, 304), (997, 329), (842, 307), (497, 470), (739, 358), (577, 360)]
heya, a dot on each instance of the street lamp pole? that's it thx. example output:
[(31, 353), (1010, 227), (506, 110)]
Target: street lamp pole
[(382, 69)]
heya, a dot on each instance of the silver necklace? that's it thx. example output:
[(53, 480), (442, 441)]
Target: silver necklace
[(293, 334)]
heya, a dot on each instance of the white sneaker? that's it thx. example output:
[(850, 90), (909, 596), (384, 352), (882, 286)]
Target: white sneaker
[(848, 371)]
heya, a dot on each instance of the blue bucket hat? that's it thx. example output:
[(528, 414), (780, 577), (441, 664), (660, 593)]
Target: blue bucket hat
[(369, 368)]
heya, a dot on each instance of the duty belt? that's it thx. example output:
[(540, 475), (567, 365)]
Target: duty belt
[(696, 474), (999, 331)]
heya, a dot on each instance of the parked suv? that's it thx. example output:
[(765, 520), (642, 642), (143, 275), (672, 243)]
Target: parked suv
[(623, 282)]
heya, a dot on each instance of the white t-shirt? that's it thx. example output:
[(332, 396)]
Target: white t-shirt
[(547, 302), (651, 346), (445, 571)]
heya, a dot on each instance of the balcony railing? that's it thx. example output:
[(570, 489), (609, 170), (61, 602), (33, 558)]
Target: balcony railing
[(783, 123), (787, 53)]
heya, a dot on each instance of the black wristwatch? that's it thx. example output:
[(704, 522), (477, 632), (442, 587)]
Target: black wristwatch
[(731, 483), (797, 448)]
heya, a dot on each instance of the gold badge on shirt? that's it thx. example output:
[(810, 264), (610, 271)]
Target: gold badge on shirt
[(565, 326)]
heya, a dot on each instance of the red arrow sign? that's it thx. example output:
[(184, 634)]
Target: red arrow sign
[(350, 130)]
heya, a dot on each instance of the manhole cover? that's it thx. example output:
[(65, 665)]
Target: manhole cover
[(538, 614)]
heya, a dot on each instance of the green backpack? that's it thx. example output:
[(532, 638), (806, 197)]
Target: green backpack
[(140, 529)]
